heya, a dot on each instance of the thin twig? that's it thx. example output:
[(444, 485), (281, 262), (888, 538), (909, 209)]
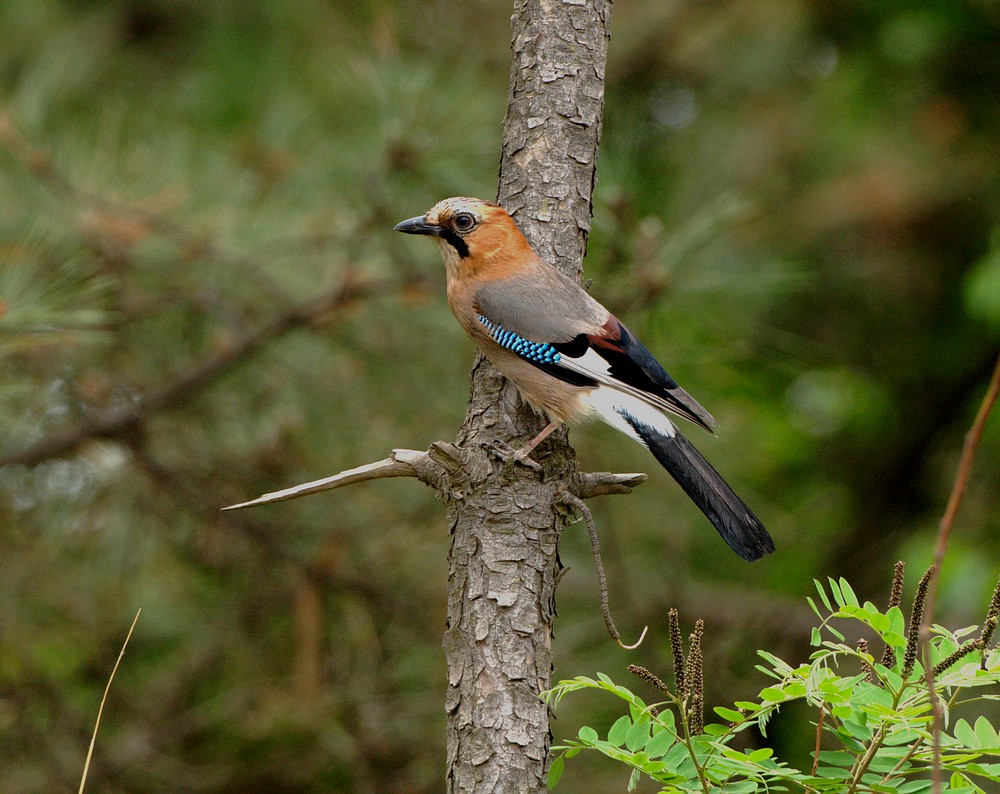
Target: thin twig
[(122, 420), (100, 710), (595, 545), (862, 764), (903, 761), (972, 439)]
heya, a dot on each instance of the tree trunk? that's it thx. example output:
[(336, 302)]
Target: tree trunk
[(504, 563)]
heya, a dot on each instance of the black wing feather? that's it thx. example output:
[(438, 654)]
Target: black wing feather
[(729, 514), (630, 361)]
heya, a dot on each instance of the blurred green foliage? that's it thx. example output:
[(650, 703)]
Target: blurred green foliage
[(874, 708), (796, 210)]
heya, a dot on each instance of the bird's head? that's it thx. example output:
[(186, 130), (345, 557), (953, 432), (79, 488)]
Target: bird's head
[(471, 233)]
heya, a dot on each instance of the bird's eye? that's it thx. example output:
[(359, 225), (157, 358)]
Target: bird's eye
[(464, 221)]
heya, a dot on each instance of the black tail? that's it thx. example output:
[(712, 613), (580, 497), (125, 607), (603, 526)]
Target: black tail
[(729, 514)]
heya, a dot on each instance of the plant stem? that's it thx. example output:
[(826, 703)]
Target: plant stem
[(899, 765), (689, 743), (819, 736), (876, 742), (971, 444), (862, 765)]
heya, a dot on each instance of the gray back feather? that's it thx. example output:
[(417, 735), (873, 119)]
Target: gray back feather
[(547, 307)]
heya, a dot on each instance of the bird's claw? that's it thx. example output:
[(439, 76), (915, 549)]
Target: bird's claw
[(523, 456), (510, 456)]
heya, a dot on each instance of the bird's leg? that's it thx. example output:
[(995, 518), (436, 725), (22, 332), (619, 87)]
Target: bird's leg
[(521, 455)]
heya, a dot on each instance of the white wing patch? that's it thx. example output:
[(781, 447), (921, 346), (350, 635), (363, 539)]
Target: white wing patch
[(592, 365), (608, 404)]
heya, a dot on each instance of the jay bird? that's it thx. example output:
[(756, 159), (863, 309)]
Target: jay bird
[(570, 357)]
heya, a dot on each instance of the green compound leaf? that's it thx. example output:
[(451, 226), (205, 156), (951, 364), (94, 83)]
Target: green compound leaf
[(772, 694), (986, 735), (836, 758), (637, 736), (966, 735), (742, 787), (915, 787), (822, 594), (618, 731), (729, 714), (848, 593), (838, 597), (662, 741)]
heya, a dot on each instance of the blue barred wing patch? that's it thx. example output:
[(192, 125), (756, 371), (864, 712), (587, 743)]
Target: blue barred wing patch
[(536, 352)]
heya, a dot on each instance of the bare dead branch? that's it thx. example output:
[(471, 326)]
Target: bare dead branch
[(595, 544), (442, 457), (602, 483), (395, 466)]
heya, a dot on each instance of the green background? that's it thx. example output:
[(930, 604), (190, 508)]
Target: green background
[(796, 210)]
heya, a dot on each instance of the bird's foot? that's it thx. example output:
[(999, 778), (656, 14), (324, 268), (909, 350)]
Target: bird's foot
[(503, 452)]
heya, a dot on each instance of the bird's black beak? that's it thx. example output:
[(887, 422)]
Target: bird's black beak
[(418, 226)]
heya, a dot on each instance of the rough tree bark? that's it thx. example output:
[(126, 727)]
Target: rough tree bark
[(505, 523)]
